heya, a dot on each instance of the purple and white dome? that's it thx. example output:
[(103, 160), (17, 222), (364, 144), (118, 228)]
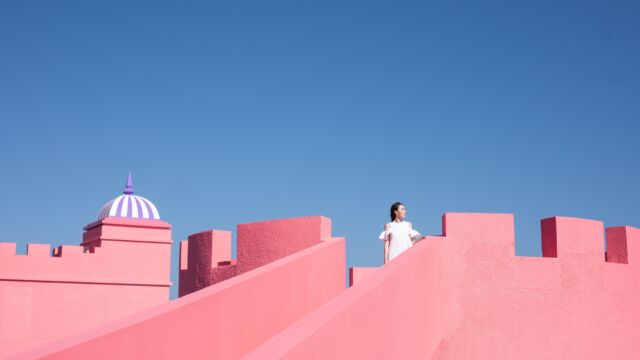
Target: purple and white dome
[(129, 206)]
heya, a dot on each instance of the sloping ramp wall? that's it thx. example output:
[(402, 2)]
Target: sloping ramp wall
[(394, 313), (223, 321)]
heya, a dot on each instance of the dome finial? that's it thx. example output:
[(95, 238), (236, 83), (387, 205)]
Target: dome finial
[(129, 188)]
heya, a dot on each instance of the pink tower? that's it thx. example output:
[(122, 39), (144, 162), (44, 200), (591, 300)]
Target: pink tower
[(121, 267)]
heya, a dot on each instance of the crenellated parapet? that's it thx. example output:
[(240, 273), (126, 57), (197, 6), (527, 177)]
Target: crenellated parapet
[(566, 238), (583, 240), (466, 295), (122, 266), (113, 251), (573, 239), (40, 263), (579, 292), (623, 243)]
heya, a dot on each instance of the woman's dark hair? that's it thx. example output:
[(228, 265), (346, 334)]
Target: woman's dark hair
[(394, 207)]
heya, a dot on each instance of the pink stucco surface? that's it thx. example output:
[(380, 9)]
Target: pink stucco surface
[(462, 295), (391, 314), (620, 246), (223, 321), (357, 274), (262, 242), (205, 258), (573, 306), (46, 294), (467, 296)]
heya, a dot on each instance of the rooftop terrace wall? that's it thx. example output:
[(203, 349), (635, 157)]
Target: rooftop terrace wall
[(223, 321), (463, 295), (122, 267), (490, 304)]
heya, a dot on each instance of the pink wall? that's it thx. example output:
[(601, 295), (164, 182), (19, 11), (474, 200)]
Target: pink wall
[(205, 258), (575, 306), (391, 314), (260, 243), (357, 274), (43, 296), (466, 296), (223, 321)]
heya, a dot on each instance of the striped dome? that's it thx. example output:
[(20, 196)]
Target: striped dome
[(129, 206)]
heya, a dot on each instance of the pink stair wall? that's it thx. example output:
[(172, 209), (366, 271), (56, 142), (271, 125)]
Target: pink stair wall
[(124, 269), (467, 296), (392, 313)]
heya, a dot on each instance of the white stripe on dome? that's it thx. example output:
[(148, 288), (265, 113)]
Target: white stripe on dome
[(156, 215), (114, 206), (125, 206), (134, 207), (145, 202), (143, 206)]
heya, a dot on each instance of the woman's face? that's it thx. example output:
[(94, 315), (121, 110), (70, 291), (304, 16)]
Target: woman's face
[(401, 212)]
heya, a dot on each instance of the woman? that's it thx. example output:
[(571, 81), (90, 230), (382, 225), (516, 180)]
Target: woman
[(398, 235)]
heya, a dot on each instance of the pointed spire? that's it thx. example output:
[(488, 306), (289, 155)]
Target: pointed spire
[(129, 188)]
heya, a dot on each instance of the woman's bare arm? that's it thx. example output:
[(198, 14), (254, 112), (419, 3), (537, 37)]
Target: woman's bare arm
[(386, 251), (386, 244)]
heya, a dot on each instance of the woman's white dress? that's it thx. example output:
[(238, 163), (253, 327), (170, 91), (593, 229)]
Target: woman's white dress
[(399, 235)]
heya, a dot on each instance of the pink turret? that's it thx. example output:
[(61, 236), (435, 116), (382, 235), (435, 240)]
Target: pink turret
[(205, 259)]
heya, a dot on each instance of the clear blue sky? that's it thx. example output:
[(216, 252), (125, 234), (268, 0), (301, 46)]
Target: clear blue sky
[(244, 111)]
